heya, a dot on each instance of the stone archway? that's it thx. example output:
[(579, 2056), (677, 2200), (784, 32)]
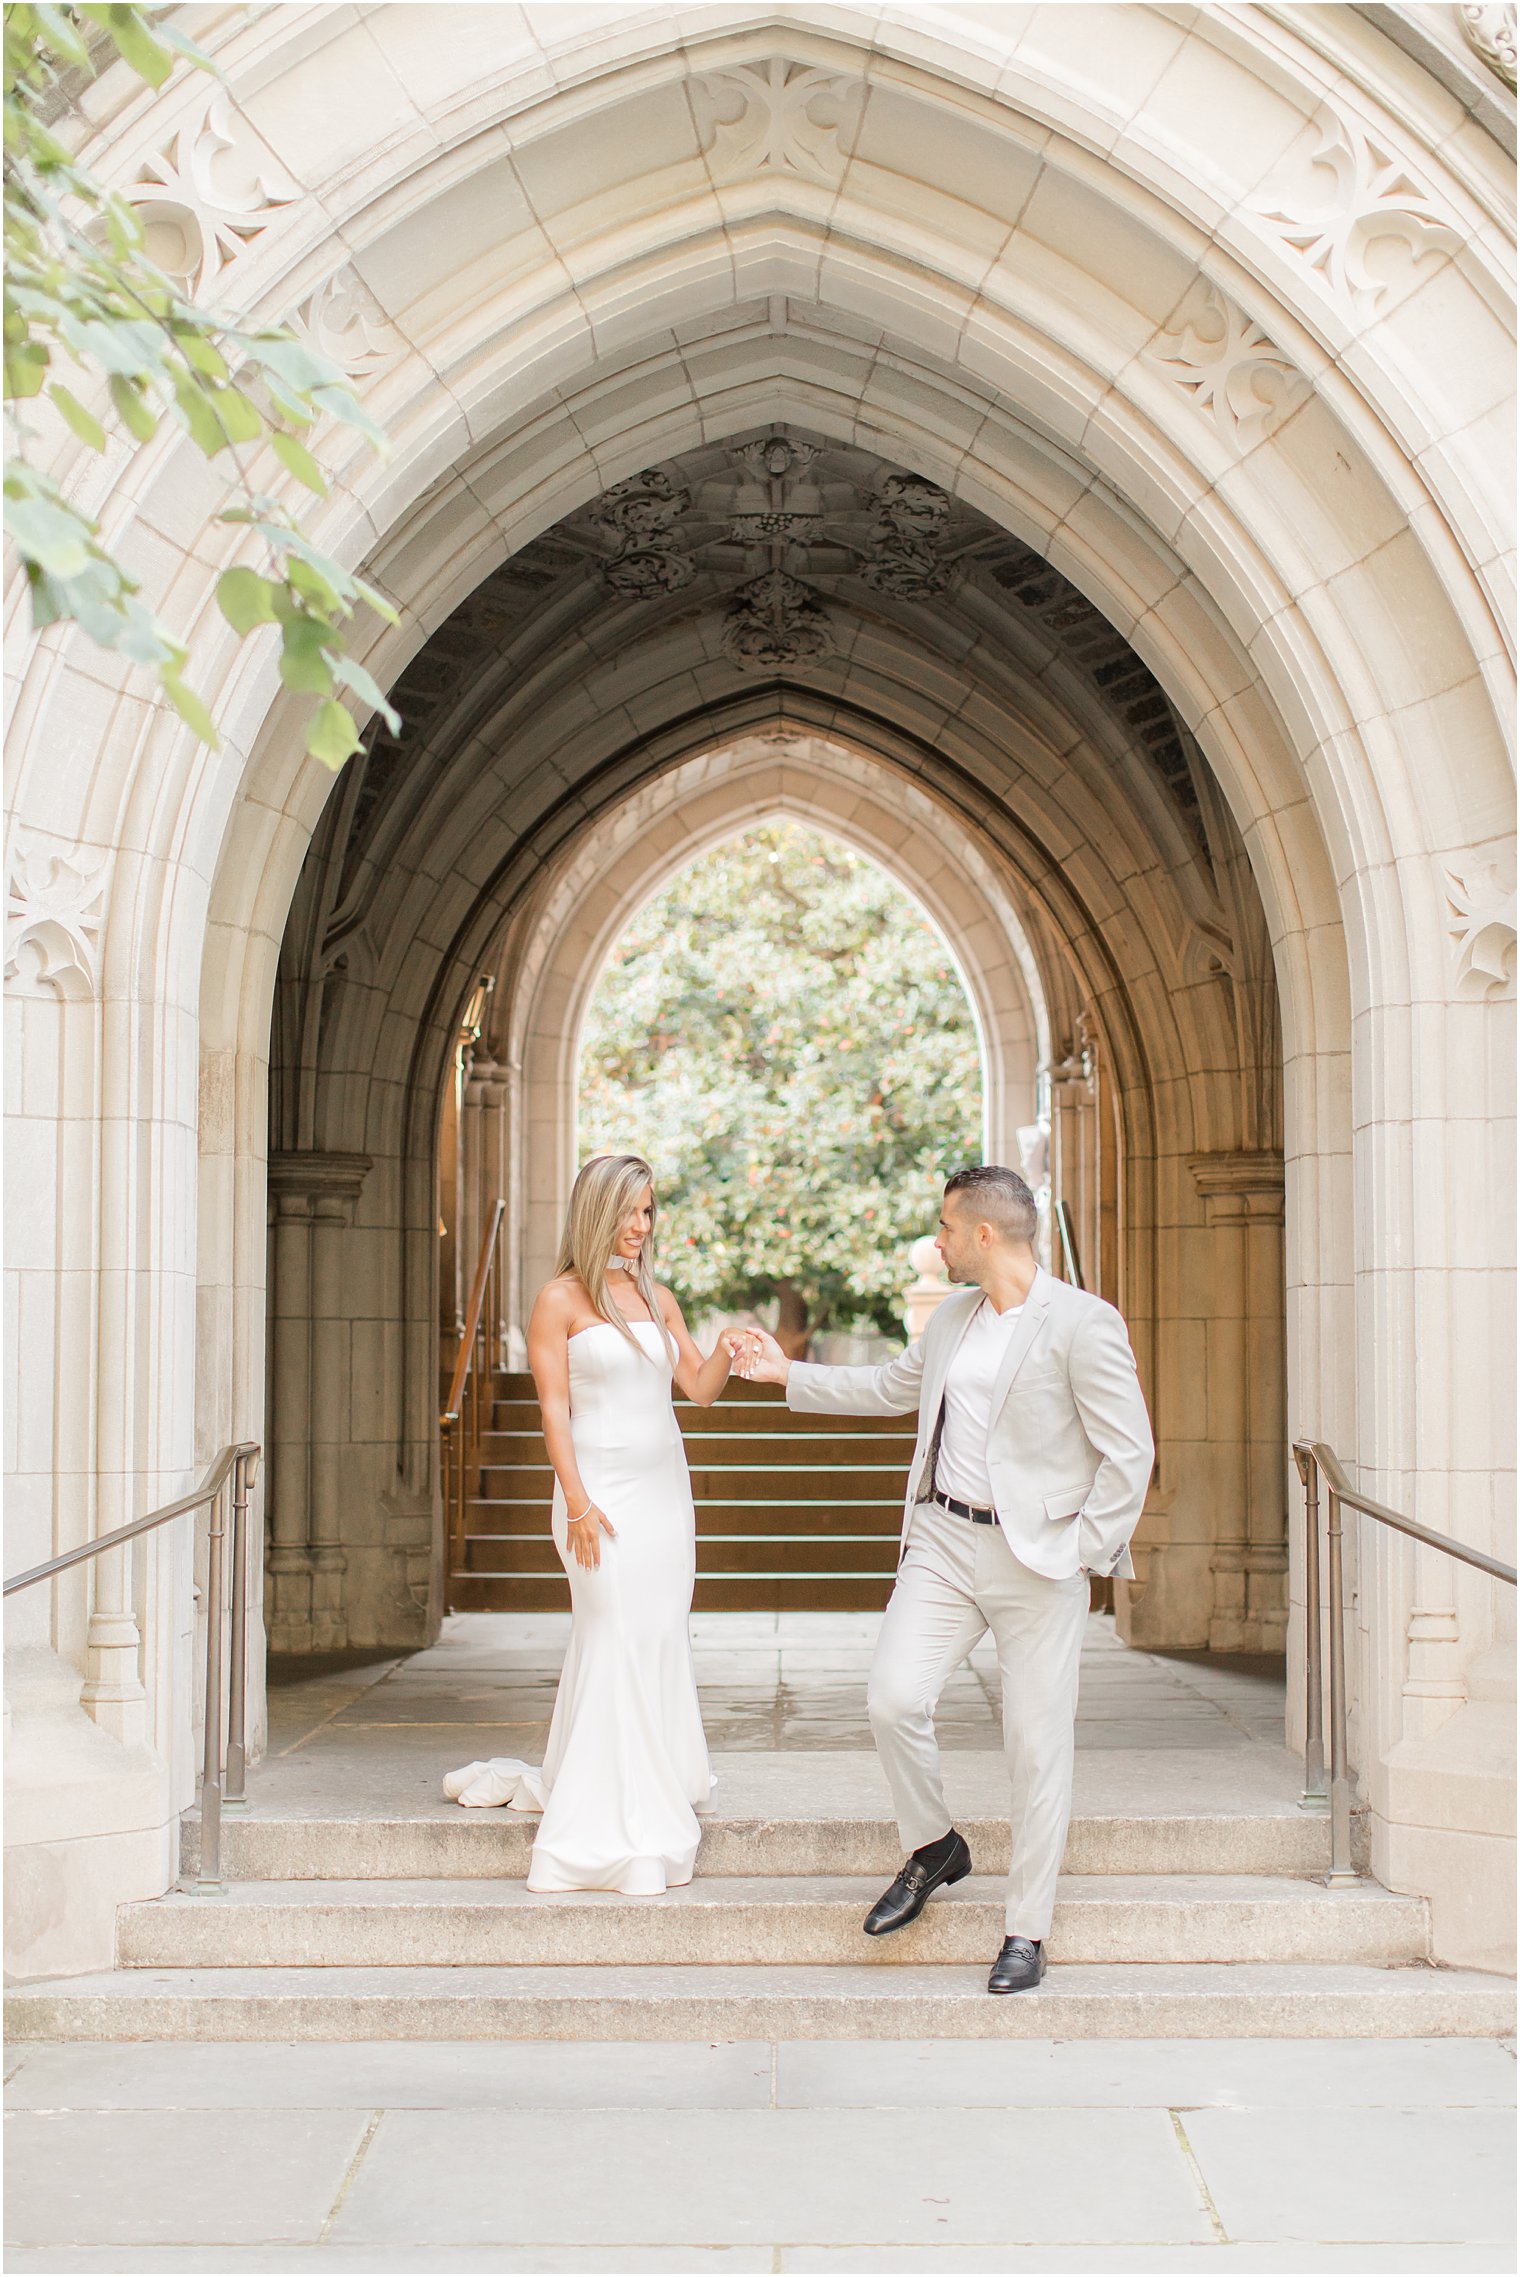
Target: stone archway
[(1201, 315), (550, 961)]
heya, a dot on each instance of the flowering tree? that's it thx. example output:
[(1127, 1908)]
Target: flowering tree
[(787, 1039)]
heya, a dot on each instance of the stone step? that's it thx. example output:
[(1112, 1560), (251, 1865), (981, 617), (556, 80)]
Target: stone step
[(1204, 2000), (739, 1921), (449, 1843)]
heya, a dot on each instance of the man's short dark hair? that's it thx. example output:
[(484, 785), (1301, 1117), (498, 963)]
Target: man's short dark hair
[(999, 1196)]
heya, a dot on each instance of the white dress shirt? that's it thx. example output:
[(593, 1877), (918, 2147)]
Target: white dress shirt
[(962, 1466)]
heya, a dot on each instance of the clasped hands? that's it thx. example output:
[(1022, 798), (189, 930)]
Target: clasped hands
[(756, 1356)]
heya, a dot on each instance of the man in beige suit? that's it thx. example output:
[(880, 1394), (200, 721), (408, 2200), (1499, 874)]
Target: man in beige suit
[(1033, 1458)]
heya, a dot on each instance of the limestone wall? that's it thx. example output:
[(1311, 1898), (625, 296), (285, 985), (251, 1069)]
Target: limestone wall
[(1212, 313)]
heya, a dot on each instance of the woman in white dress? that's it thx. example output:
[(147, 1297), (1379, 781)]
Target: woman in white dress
[(625, 1770)]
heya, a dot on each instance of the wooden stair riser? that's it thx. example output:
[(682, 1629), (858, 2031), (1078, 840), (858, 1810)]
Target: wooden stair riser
[(801, 1482), (801, 1520), (725, 1420), (723, 1556), (778, 1593), (778, 1499)]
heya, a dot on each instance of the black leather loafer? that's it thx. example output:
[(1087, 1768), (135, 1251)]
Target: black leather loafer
[(1018, 1967), (912, 1890)]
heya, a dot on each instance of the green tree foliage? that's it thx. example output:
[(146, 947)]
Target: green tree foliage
[(788, 1041), (94, 328)]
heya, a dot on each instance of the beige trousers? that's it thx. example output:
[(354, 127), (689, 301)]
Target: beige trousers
[(955, 1582)]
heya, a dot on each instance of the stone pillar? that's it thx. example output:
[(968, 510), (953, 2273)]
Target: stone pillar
[(1073, 1157), (331, 1354), (451, 1268), (288, 1498), (1243, 1204), (483, 1150), (311, 1199), (516, 1296)]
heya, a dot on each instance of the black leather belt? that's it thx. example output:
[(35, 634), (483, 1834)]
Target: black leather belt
[(965, 1510)]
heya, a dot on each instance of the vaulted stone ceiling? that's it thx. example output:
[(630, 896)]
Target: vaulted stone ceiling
[(771, 549)]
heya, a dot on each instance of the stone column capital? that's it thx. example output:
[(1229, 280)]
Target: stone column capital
[(1240, 1186), (313, 1182)]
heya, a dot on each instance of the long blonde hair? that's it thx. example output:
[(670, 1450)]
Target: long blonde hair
[(600, 1201)]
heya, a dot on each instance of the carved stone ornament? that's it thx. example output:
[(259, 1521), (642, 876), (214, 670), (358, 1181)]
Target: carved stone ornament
[(768, 511), (905, 547), (343, 321), (1490, 33), (55, 904), (1222, 359), (1480, 918), (774, 457), (775, 528), (778, 116), (1374, 199), (213, 188), (776, 620), (641, 515)]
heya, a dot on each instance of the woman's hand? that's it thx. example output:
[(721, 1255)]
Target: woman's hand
[(761, 1359), (585, 1536)]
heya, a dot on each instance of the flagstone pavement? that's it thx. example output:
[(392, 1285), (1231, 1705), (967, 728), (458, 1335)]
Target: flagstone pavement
[(743, 2156)]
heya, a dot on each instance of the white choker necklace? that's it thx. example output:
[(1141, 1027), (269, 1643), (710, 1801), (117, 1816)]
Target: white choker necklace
[(622, 1265)]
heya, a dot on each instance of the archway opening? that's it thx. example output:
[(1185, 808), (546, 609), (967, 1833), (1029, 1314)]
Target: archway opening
[(785, 1034)]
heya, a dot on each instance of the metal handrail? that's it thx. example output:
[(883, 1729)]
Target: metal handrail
[(238, 1466), (1315, 1460), (465, 1362), (459, 1423), (1068, 1239)]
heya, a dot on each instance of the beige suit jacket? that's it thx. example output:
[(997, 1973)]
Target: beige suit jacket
[(1069, 1450)]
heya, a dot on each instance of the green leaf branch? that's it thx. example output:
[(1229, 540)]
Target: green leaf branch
[(95, 328)]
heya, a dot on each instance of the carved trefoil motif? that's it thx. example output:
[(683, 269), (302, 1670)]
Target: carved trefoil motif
[(1223, 360), (54, 908), (776, 620), (779, 116), (640, 515), (1490, 33), (344, 322), (1374, 199), (1481, 919), (213, 188)]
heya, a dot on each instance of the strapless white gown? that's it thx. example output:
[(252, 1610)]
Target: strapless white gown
[(625, 1770)]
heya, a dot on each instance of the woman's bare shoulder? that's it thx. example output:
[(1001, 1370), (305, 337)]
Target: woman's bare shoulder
[(559, 1300)]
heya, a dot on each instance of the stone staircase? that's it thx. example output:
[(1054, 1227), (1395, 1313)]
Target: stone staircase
[(1173, 1924), (794, 1512)]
